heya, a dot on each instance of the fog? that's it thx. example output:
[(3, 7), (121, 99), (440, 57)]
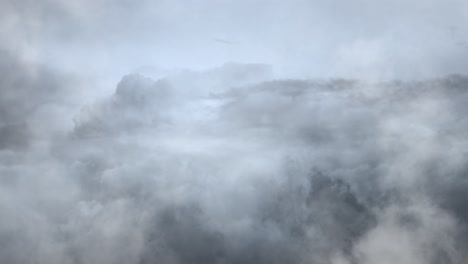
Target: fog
[(227, 132)]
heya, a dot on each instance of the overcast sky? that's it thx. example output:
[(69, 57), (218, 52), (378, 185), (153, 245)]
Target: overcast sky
[(314, 38), (233, 132)]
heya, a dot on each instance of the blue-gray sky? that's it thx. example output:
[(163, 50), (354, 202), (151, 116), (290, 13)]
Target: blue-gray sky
[(358, 38)]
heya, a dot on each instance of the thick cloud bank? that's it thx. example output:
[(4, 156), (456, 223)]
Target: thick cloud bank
[(232, 166)]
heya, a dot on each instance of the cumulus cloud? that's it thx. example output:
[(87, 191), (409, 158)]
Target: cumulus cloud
[(241, 162), (296, 171), (28, 93)]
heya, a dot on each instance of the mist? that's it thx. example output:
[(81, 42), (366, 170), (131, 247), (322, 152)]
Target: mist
[(225, 132)]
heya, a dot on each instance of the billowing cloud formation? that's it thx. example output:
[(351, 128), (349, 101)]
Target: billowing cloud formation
[(242, 169), (185, 162)]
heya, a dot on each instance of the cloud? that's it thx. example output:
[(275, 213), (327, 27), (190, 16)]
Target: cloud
[(368, 39), (181, 162), (28, 91), (333, 171)]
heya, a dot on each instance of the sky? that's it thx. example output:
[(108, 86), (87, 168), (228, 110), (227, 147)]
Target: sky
[(360, 38), (228, 132)]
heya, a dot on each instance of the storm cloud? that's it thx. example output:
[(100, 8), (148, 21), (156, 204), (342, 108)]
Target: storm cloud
[(332, 139)]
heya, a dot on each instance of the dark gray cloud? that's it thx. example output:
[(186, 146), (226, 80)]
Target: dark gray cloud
[(296, 171), (233, 164), (27, 91)]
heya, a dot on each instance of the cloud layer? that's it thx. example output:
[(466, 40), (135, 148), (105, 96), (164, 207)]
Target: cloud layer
[(185, 161), (354, 39), (246, 170)]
